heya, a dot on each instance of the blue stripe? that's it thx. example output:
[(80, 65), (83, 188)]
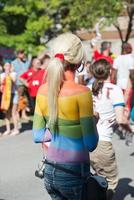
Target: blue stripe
[(66, 143), (119, 104), (90, 141), (41, 135)]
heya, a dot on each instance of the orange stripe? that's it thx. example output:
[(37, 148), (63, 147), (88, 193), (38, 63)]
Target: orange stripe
[(69, 88)]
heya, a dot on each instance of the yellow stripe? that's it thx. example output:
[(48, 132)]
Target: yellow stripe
[(70, 108)]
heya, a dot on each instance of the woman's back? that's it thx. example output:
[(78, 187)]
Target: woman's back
[(75, 123)]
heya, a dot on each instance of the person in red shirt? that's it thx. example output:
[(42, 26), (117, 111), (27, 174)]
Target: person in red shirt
[(33, 79)]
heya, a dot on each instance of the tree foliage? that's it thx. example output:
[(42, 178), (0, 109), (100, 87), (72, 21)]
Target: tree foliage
[(23, 23), (77, 14)]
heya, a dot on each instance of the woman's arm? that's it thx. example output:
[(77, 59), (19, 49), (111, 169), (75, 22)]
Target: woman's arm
[(119, 107), (24, 82), (13, 76), (89, 130), (39, 123), (127, 91), (119, 112)]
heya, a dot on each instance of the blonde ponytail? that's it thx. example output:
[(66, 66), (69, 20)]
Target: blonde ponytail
[(55, 74), (68, 49)]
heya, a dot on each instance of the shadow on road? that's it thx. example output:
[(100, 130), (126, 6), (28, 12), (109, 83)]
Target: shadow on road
[(132, 154), (124, 188), (25, 126)]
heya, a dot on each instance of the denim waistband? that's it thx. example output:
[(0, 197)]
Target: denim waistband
[(79, 168)]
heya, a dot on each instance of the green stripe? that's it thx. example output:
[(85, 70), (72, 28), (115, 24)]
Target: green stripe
[(38, 121), (87, 125), (64, 122), (70, 128), (71, 131)]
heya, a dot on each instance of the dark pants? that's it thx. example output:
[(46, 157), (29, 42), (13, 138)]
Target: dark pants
[(64, 186), (32, 104)]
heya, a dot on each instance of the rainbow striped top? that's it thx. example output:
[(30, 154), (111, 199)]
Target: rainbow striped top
[(76, 131)]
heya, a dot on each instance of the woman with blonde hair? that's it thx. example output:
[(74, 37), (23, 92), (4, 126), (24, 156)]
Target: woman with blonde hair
[(67, 108)]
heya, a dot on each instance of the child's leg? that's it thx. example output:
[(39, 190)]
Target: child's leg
[(7, 123), (15, 116)]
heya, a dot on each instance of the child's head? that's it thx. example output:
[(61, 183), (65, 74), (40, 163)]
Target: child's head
[(126, 48), (101, 71), (7, 67)]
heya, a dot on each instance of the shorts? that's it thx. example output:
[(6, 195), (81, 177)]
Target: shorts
[(103, 161), (15, 98)]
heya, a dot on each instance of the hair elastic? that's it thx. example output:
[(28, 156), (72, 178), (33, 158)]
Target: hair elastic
[(60, 56)]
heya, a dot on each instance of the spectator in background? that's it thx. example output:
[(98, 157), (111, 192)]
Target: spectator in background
[(105, 52), (122, 66), (89, 78), (9, 99), (32, 80), (44, 58), (129, 97), (21, 65), (80, 74), (1, 64)]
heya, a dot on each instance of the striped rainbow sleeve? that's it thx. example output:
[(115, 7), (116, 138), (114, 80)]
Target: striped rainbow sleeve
[(39, 123), (89, 131)]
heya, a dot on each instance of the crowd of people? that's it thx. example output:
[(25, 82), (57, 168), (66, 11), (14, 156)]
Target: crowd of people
[(19, 83), (82, 102), (73, 113)]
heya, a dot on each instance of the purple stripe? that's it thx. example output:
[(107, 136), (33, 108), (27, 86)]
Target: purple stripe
[(59, 155)]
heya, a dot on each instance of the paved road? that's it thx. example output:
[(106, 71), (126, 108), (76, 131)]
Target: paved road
[(18, 160)]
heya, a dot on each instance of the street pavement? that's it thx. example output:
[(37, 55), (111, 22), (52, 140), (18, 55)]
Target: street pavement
[(19, 158)]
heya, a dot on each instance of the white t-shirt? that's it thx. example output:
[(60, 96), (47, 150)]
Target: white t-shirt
[(110, 97), (80, 72), (123, 64)]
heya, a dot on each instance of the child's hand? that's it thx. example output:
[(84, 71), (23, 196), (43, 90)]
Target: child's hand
[(7, 71)]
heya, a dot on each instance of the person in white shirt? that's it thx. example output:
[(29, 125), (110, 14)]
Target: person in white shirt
[(80, 73), (108, 107), (122, 66)]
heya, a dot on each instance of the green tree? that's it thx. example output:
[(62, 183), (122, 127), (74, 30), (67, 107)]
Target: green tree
[(78, 14), (84, 14), (22, 23), (129, 9)]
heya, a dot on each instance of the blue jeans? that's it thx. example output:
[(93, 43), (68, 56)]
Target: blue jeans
[(64, 186)]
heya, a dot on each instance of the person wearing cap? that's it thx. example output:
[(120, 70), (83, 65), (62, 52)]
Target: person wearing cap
[(66, 108), (122, 66)]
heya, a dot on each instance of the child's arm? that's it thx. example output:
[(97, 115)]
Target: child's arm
[(13, 76)]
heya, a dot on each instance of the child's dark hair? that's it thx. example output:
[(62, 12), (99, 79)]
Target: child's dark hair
[(100, 70), (131, 76)]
